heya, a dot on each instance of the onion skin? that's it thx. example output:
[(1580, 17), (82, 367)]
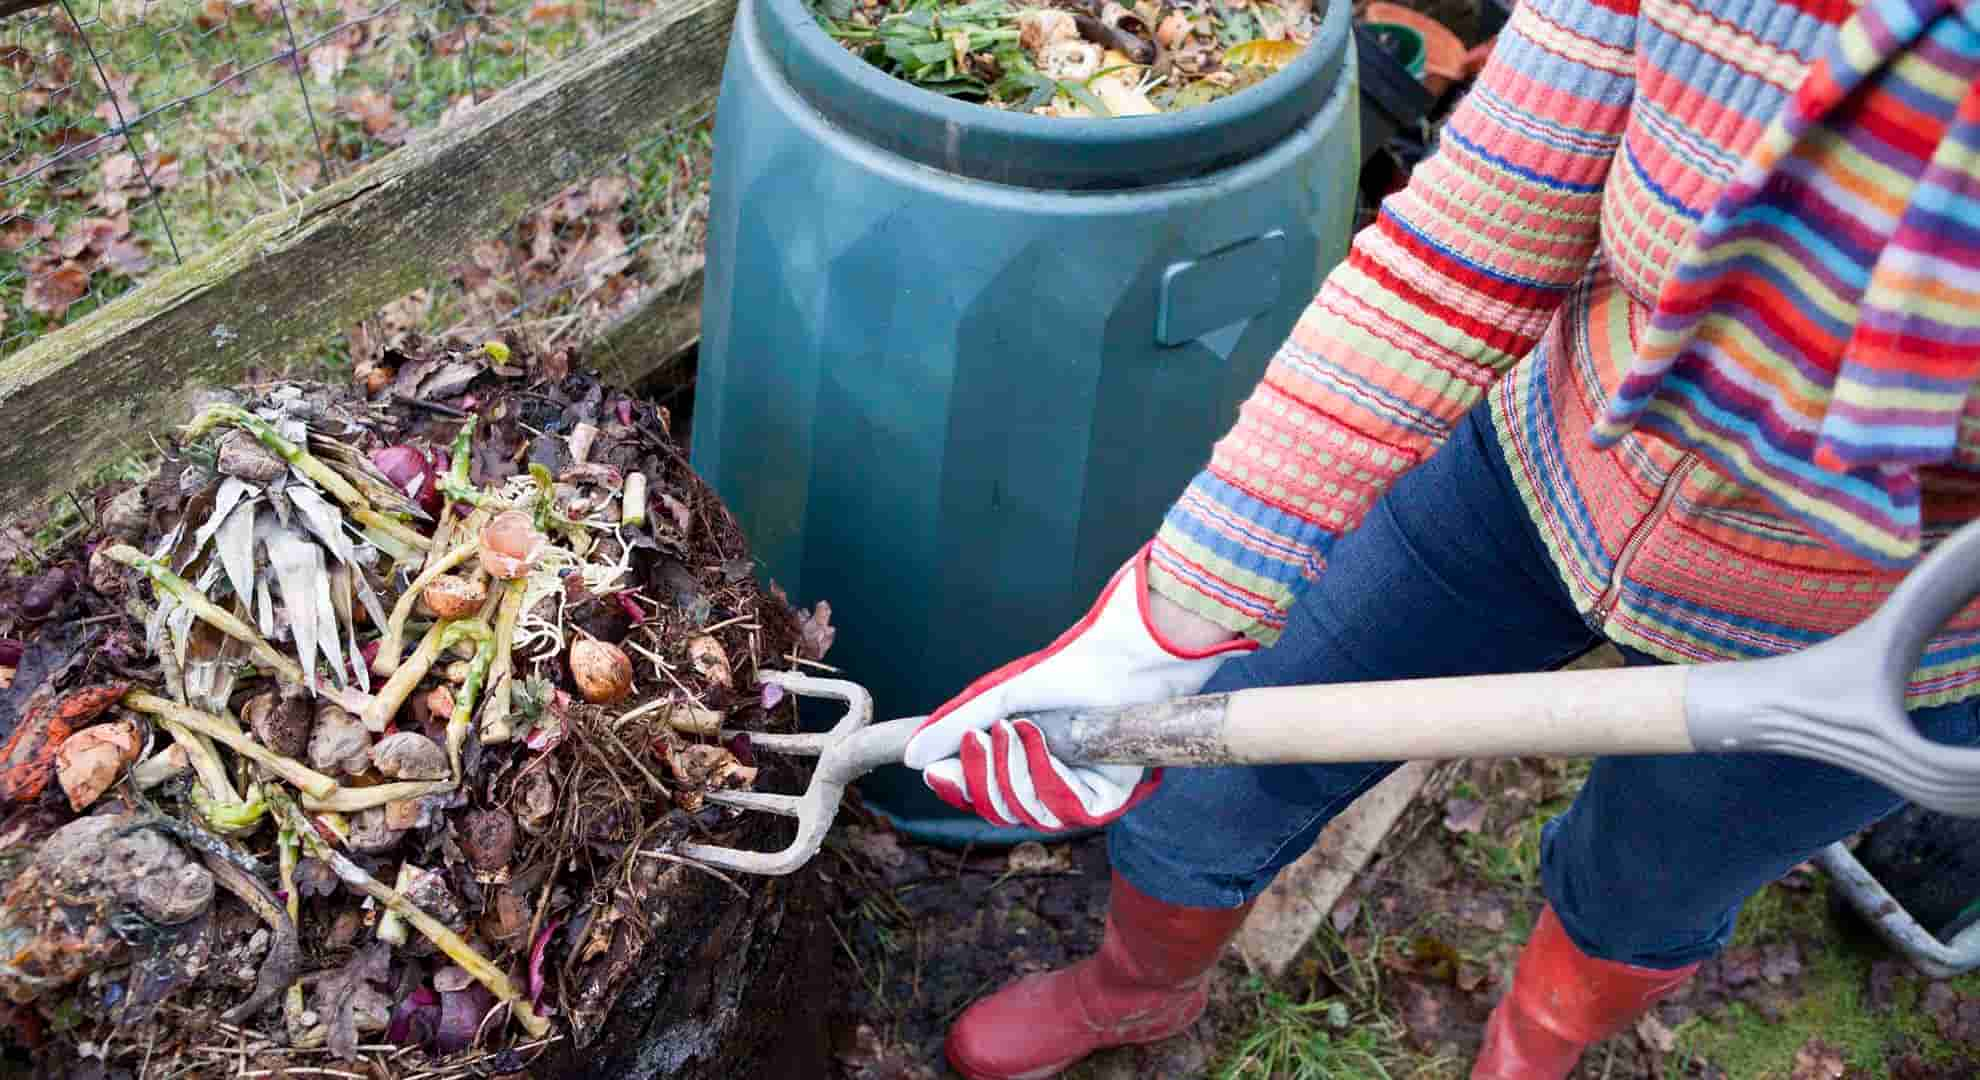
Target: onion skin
[(603, 672), (403, 465), (510, 545)]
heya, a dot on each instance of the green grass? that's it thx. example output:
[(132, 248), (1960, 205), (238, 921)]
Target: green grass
[(1828, 1001), (1327, 1018), (1312, 1040), (248, 149), (1289, 1028), (65, 512)]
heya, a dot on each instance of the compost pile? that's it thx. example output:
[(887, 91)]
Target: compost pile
[(365, 725), (1076, 58)]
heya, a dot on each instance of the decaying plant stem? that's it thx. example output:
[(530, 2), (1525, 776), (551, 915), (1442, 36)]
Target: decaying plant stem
[(392, 927), (161, 766), (461, 721), (632, 501), (288, 848), (448, 942), (229, 624), (496, 727), (378, 712), (454, 483), (311, 466), (306, 779), (391, 537), (394, 639), (352, 800), (205, 761)]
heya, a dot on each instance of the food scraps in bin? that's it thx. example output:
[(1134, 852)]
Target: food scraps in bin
[(1075, 58)]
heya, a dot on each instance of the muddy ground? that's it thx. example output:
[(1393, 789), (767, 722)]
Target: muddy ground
[(1400, 981)]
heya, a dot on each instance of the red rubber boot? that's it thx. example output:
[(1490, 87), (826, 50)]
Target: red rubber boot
[(1150, 980), (1562, 1001)]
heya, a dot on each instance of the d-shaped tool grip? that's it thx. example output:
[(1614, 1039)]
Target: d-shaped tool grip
[(1842, 702)]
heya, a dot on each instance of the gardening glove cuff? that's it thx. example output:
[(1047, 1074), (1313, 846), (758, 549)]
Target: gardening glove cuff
[(975, 758)]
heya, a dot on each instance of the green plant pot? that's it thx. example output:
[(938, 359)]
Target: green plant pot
[(956, 362), (1402, 42)]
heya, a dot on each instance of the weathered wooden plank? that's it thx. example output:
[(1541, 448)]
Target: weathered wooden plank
[(645, 342), (1290, 912), (288, 280), (12, 7)]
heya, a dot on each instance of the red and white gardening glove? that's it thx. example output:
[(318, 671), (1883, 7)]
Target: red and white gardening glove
[(975, 759)]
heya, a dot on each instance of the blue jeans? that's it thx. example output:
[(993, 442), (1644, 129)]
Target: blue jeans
[(1447, 576)]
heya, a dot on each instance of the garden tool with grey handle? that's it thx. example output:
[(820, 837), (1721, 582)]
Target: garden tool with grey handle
[(1840, 702)]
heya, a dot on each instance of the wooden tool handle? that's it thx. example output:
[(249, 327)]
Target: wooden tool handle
[(1566, 713)]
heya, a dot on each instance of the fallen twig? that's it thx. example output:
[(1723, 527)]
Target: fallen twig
[(278, 968), (448, 942)]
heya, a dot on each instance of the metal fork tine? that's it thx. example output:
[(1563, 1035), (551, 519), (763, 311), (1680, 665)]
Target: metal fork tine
[(808, 745), (841, 762), (787, 805)]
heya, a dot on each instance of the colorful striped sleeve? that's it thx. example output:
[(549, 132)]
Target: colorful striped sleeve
[(1452, 284)]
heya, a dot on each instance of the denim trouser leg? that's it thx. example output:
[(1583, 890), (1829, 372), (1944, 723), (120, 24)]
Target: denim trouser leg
[(1447, 576), (1652, 862)]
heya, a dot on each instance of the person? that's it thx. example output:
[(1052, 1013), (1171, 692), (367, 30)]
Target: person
[(1669, 343)]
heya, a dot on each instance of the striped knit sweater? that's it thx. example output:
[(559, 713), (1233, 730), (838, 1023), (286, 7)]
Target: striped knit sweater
[(1523, 261)]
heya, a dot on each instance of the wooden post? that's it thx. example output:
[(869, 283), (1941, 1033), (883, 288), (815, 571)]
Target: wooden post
[(1290, 912), (653, 335), (289, 279)]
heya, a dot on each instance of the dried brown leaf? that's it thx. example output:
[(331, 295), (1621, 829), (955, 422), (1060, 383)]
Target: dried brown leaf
[(127, 257), (1656, 1034), (1817, 1060), (815, 631), (1464, 815), (164, 170), (711, 660), (18, 231), (121, 171), (375, 113), (51, 292), (119, 105), (339, 994)]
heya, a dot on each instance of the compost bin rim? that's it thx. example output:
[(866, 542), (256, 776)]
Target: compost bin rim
[(1056, 153)]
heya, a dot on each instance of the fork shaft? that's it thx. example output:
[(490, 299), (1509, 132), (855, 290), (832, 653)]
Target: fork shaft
[(1564, 713)]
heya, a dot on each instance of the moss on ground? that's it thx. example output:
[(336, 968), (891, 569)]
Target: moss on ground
[(1828, 1003)]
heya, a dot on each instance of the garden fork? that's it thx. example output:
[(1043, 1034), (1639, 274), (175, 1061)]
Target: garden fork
[(1841, 702)]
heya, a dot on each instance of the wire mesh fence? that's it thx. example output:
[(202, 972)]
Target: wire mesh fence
[(137, 133)]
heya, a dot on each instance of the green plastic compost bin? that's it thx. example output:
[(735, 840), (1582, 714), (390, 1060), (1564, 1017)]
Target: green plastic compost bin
[(957, 362)]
